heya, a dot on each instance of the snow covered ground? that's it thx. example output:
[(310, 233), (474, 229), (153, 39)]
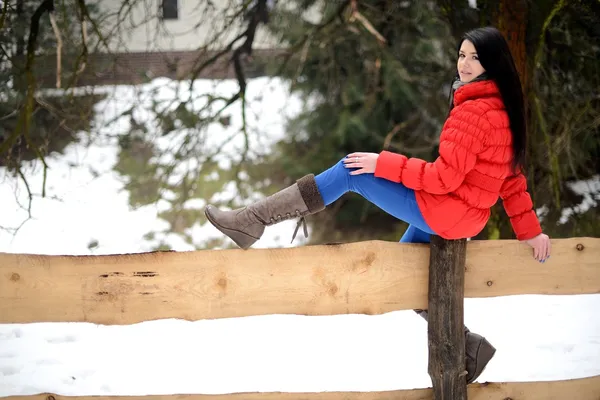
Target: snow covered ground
[(537, 337)]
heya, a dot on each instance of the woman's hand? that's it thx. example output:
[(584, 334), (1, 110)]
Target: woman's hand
[(365, 162), (541, 247)]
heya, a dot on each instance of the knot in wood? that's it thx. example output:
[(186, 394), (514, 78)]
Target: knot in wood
[(490, 283), (580, 247)]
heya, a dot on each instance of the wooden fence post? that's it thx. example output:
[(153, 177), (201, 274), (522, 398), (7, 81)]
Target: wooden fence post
[(446, 337)]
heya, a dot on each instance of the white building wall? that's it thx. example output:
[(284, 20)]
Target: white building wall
[(143, 30)]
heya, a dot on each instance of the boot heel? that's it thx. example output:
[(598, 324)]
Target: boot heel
[(240, 238), (484, 354)]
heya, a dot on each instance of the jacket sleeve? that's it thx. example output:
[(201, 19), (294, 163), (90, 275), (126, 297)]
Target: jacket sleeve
[(519, 207), (459, 145)]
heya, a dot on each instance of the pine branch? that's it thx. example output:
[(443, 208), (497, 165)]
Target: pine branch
[(303, 43), (356, 15)]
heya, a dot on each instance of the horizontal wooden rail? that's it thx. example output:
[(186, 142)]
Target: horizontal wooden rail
[(371, 277), (579, 389)]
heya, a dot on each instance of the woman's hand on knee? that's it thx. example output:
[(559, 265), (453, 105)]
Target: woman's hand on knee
[(365, 162)]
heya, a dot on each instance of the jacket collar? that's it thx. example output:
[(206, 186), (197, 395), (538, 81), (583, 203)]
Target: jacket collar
[(476, 90)]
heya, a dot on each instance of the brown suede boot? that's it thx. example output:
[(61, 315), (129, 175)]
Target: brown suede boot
[(246, 225), (478, 351)]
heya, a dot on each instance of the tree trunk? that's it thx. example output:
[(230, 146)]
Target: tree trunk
[(446, 336), (20, 50), (511, 19), (18, 59)]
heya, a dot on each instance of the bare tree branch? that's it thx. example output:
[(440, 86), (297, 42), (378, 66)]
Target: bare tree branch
[(82, 59), (84, 36), (58, 48), (86, 14), (215, 57), (258, 14), (29, 195)]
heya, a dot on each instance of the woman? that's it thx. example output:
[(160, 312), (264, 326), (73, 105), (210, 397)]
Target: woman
[(481, 156)]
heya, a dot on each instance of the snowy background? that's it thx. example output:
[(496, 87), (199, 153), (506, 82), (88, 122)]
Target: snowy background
[(537, 337)]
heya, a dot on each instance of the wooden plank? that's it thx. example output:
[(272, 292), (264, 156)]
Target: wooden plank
[(580, 389), (372, 277), (445, 328)]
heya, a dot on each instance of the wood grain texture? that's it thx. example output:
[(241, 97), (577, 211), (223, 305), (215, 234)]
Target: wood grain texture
[(371, 277), (579, 389), (445, 328)]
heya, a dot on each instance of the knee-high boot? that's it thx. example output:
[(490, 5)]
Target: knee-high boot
[(478, 351), (246, 225)]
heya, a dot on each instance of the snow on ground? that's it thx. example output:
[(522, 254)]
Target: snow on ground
[(537, 337)]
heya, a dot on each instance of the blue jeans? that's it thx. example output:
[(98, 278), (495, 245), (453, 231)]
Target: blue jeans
[(393, 198)]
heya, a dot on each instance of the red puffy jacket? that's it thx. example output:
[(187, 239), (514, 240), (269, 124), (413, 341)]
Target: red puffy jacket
[(457, 190)]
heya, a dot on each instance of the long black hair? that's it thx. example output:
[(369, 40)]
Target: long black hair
[(495, 57)]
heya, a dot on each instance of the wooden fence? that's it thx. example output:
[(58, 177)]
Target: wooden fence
[(371, 277)]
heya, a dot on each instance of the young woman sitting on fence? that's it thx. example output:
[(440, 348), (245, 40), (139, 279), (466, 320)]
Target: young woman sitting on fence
[(481, 156)]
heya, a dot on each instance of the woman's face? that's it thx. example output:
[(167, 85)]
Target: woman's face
[(468, 64)]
